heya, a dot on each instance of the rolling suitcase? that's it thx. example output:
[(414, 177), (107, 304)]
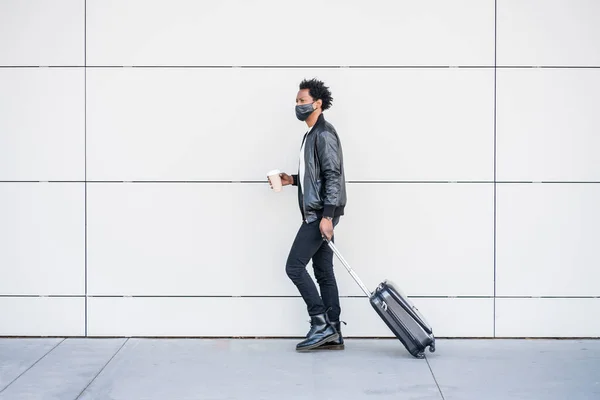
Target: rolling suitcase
[(398, 313)]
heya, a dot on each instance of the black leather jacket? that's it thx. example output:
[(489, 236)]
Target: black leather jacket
[(322, 191)]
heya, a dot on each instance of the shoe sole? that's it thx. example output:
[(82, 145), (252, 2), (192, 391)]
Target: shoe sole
[(319, 343), (332, 347)]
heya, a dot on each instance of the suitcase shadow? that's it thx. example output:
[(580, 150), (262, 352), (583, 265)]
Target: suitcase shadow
[(389, 348)]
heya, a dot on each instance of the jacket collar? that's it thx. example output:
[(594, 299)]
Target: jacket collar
[(320, 121)]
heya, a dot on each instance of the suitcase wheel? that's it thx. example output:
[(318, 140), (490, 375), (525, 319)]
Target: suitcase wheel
[(432, 348)]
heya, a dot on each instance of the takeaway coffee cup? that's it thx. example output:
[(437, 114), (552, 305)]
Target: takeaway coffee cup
[(275, 179)]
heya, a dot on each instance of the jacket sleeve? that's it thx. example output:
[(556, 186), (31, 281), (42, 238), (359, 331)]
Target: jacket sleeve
[(294, 180), (331, 170)]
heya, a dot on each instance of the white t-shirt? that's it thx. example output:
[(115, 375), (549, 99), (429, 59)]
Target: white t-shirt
[(302, 167)]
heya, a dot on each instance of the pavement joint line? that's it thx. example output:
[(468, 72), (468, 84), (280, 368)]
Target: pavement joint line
[(102, 369), (33, 365), (434, 379)]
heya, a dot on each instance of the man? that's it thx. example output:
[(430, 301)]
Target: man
[(322, 198)]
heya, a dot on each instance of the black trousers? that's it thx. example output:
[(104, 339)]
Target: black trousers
[(309, 244)]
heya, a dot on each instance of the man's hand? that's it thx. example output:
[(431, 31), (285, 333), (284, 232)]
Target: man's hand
[(326, 227), (285, 180)]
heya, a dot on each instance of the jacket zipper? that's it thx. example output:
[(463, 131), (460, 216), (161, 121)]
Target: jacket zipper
[(305, 217), (303, 206)]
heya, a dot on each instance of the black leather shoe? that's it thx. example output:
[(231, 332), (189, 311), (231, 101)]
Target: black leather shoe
[(337, 344), (321, 331)]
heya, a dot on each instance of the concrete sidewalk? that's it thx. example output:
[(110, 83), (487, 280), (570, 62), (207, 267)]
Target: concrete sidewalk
[(223, 369)]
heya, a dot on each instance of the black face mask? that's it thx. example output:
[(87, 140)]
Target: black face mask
[(303, 111)]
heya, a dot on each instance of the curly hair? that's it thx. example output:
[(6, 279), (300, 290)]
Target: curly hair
[(318, 91)]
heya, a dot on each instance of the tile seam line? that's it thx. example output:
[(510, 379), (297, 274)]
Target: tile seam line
[(258, 66), (217, 296), (33, 365), (102, 369), (365, 182), (307, 66), (85, 319), (264, 182), (495, 204), (311, 66)]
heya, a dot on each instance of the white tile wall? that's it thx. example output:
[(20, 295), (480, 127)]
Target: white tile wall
[(42, 238), (417, 124), (548, 32), (42, 316), (547, 317), (191, 124), (42, 128), (226, 243), (547, 239), (432, 239), (170, 124), (40, 32), (233, 239), (189, 239), (271, 32), (546, 126), (135, 316), (458, 317)]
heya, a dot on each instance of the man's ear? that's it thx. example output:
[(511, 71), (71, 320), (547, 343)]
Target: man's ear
[(319, 104)]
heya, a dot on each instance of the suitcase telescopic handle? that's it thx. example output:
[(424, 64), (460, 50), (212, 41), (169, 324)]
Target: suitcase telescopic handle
[(350, 270)]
